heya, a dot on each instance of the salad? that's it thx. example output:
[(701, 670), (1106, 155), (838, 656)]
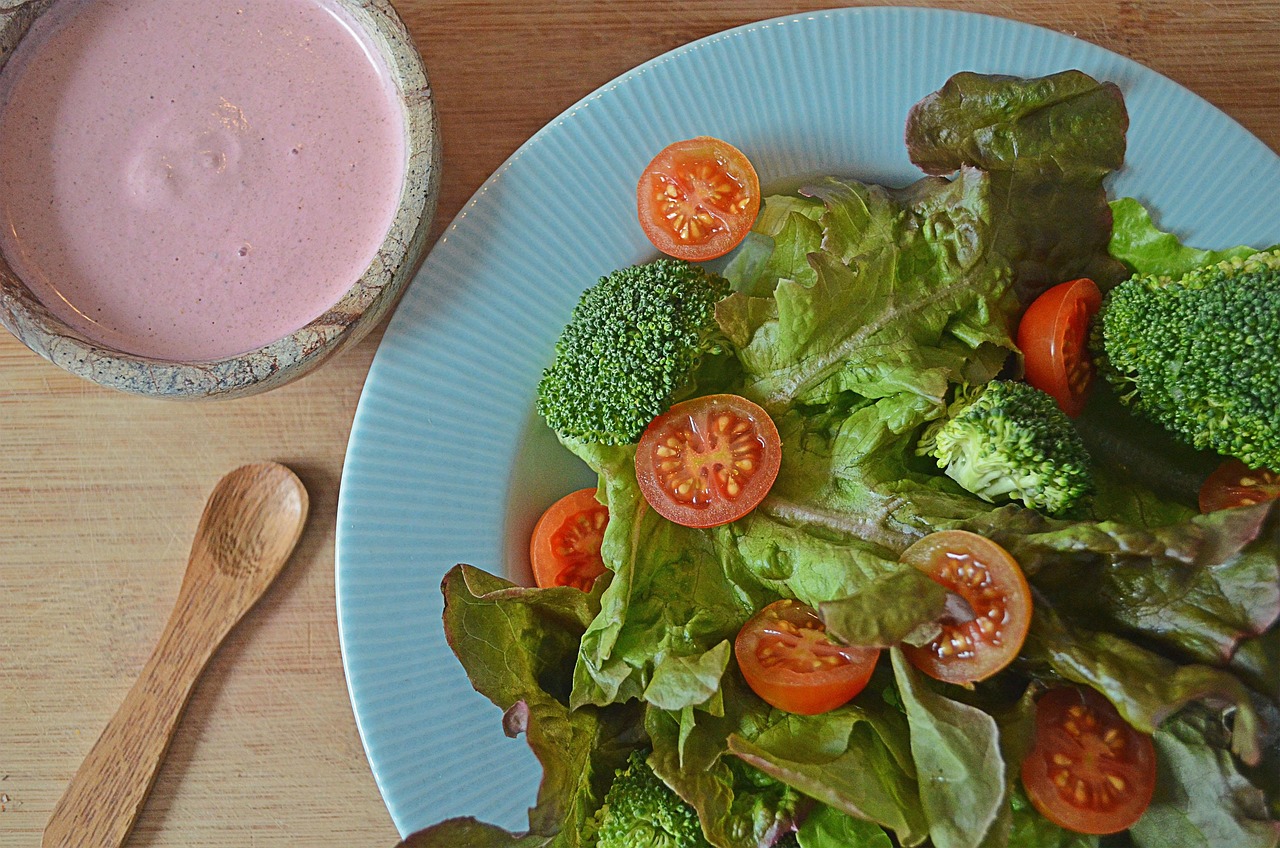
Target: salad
[(863, 354)]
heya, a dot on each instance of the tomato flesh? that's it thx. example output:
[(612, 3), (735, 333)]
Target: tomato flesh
[(708, 461), (1235, 484), (565, 547), (1088, 770), (1053, 337), (993, 585), (788, 659), (698, 198)]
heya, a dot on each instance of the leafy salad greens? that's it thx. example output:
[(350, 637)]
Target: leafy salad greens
[(856, 312)]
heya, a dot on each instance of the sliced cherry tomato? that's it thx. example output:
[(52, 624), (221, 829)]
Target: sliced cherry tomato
[(708, 461), (565, 548), (1235, 484), (1054, 339), (698, 198), (991, 583), (789, 660), (1088, 770)]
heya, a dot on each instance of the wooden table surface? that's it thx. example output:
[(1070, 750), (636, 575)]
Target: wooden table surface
[(100, 492)]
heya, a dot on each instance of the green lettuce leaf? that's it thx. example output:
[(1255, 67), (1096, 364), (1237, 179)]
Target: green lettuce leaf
[(877, 616), (739, 806), (783, 236), (851, 478), (734, 812), (1001, 123), (856, 759), (1146, 249), (874, 322), (1145, 687), (469, 833), (647, 636), (688, 681), (1199, 586), (1257, 662), (516, 646), (1202, 800), (827, 827), (798, 561), (1029, 829), (1047, 144), (959, 766)]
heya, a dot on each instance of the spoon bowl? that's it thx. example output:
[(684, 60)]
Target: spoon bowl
[(249, 527)]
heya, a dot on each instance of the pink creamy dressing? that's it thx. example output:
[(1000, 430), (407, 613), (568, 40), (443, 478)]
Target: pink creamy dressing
[(193, 179)]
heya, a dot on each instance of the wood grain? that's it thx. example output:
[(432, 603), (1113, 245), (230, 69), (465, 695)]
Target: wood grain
[(250, 526), (99, 493)]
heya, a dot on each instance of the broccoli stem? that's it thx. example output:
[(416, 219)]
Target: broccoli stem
[(1145, 452)]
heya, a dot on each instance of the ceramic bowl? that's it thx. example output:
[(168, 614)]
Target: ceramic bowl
[(363, 306)]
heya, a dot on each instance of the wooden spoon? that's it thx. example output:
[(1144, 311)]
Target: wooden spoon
[(249, 527)]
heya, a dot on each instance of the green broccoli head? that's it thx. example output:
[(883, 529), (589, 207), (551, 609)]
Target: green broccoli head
[(632, 343), (1200, 354), (640, 811), (1006, 440)]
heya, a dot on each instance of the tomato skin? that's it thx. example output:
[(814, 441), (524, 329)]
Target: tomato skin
[(698, 198), (709, 460), (1053, 336), (1089, 770), (1235, 484), (565, 547), (777, 648), (991, 582)]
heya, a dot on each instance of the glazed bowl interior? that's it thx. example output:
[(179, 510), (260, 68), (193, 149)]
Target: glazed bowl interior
[(365, 303)]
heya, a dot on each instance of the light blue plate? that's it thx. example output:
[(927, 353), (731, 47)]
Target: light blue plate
[(447, 462)]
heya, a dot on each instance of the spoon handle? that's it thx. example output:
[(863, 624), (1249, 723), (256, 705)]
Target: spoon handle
[(104, 797)]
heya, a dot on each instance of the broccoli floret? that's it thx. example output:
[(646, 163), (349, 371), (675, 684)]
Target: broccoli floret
[(640, 811), (631, 344), (1200, 354), (1007, 440)]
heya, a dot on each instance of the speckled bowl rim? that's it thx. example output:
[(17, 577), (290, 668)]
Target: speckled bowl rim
[(363, 306)]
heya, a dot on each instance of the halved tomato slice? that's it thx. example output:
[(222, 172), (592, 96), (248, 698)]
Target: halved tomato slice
[(1235, 484), (995, 589), (708, 461), (698, 198), (788, 659), (565, 547), (1088, 770), (1053, 337)]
